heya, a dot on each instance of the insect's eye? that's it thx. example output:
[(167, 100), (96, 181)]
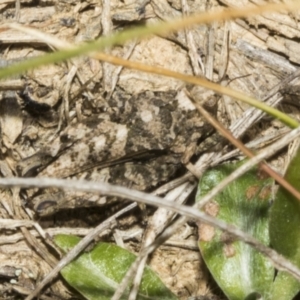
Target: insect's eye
[(40, 207), (64, 138)]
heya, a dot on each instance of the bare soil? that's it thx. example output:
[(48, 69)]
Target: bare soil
[(253, 56)]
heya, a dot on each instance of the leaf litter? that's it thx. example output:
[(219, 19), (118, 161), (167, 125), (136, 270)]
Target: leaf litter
[(251, 55)]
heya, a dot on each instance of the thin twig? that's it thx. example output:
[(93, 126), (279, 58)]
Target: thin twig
[(253, 114), (190, 42), (14, 238), (10, 224), (77, 249), (159, 221), (278, 261), (247, 152), (107, 189), (268, 152)]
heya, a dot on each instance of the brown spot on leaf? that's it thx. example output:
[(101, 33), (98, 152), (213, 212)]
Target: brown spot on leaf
[(228, 250), (212, 208), (261, 174), (265, 193), (206, 232), (252, 192), (227, 238)]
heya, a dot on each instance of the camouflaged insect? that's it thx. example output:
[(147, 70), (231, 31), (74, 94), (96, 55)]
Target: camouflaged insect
[(138, 142)]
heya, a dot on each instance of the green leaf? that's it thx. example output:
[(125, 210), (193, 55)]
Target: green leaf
[(284, 231), (96, 274), (285, 287), (240, 271)]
